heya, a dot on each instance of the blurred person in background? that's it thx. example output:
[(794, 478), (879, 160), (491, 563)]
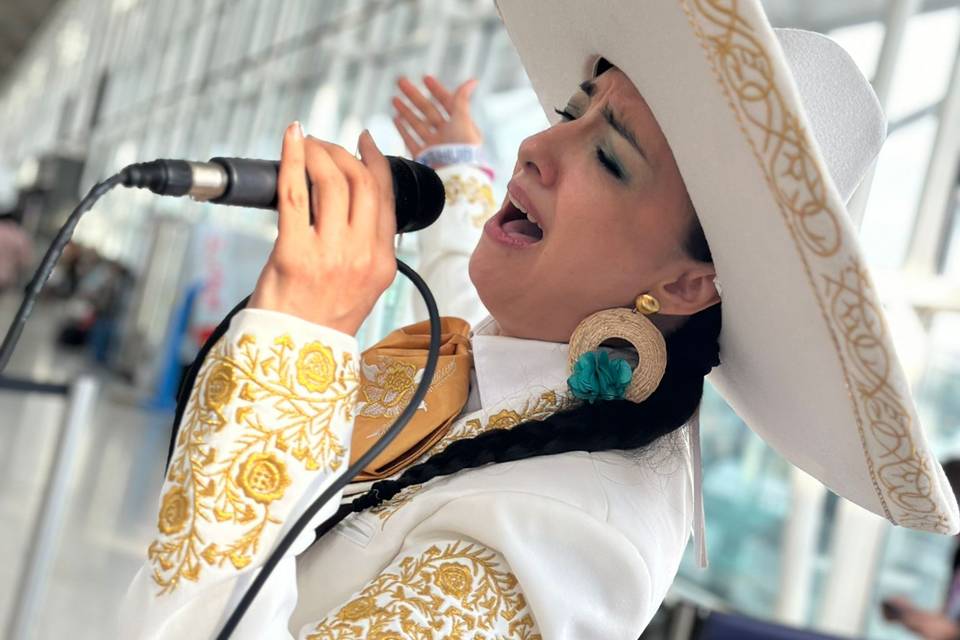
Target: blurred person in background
[(550, 481), (109, 300), (933, 625), (16, 252), (96, 290)]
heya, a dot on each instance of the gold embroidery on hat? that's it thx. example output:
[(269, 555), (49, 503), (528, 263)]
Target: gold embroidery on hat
[(460, 590), (285, 402), (745, 70)]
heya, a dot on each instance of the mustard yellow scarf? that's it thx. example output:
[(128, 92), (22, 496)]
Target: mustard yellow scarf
[(390, 372)]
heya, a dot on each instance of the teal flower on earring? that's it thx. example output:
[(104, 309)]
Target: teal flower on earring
[(597, 377)]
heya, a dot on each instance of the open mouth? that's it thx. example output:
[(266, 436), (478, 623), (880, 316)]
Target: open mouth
[(518, 226)]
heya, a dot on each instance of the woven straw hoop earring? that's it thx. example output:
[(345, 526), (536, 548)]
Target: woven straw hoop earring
[(636, 329)]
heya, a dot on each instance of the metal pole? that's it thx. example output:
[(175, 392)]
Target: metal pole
[(798, 555), (933, 215), (858, 537), (898, 15), (45, 534)]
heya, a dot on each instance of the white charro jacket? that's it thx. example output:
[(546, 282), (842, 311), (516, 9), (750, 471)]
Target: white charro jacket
[(573, 546)]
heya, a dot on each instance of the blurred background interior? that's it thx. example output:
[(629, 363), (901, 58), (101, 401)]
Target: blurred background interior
[(88, 86)]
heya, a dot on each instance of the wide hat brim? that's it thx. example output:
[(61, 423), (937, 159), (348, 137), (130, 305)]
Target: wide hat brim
[(807, 358)]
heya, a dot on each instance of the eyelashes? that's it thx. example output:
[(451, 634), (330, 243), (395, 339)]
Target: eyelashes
[(608, 163)]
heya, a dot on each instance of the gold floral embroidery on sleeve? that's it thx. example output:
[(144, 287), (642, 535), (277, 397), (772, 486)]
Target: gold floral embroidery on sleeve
[(460, 591), (280, 405), (475, 191)]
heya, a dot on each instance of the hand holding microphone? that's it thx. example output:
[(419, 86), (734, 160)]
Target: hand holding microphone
[(328, 202), (332, 272)]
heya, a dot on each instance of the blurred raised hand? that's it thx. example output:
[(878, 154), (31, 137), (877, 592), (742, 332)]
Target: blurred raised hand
[(442, 118)]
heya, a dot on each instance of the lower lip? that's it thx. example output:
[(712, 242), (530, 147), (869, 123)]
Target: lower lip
[(493, 229)]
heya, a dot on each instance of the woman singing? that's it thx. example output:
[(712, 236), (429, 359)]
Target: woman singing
[(549, 483)]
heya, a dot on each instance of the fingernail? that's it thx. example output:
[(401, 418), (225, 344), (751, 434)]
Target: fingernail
[(359, 152), (297, 128)]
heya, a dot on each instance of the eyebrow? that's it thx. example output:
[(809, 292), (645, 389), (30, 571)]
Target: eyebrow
[(589, 87)]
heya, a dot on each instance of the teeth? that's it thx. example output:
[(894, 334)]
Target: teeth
[(523, 211), (517, 204)]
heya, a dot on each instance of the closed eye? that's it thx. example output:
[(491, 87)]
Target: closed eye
[(602, 156), (609, 164)]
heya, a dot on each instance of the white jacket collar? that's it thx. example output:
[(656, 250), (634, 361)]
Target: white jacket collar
[(509, 366)]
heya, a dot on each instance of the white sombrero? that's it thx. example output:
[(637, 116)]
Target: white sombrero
[(772, 131)]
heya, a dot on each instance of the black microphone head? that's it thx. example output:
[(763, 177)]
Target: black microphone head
[(419, 194)]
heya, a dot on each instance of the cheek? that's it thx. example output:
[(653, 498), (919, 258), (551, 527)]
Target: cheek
[(599, 234), (605, 252)]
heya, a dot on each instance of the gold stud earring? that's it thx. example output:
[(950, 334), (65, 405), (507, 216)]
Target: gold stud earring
[(647, 304)]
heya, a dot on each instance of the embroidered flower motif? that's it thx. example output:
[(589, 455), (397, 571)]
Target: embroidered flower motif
[(454, 579), (219, 387), (388, 387), (174, 511), (263, 477), (597, 377), (504, 420), (399, 378), (359, 609), (316, 368)]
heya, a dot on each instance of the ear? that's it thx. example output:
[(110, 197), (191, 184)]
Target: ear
[(689, 293)]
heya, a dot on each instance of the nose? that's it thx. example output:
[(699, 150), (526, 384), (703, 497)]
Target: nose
[(538, 156)]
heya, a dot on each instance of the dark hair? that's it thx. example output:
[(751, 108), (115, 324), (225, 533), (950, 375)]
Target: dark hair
[(692, 351), (951, 468)]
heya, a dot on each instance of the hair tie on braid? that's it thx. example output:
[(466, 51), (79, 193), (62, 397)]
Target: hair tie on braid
[(692, 351)]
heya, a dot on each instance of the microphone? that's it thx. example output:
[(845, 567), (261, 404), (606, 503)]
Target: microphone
[(245, 182)]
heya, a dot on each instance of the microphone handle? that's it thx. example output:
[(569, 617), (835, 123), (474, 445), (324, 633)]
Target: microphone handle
[(258, 186), (418, 192)]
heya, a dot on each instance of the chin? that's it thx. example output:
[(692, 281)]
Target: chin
[(488, 276), (500, 291)]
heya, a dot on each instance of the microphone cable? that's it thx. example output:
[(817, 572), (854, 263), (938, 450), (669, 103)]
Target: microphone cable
[(49, 261), (40, 278)]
